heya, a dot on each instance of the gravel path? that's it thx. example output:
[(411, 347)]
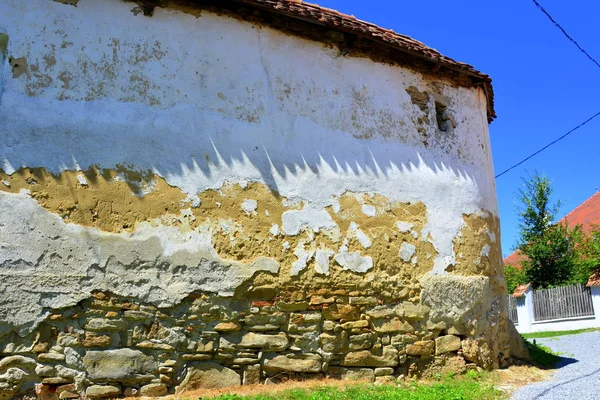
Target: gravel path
[(578, 376)]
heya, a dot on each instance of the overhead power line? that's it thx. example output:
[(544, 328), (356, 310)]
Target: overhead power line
[(549, 144), (542, 9)]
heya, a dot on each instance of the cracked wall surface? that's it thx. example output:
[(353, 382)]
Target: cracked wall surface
[(158, 168)]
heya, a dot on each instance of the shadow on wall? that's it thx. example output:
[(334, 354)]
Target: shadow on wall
[(196, 150)]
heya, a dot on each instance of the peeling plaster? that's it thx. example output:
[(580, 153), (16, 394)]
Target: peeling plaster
[(213, 119), (154, 264)]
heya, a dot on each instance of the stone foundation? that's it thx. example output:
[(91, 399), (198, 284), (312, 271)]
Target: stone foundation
[(109, 346)]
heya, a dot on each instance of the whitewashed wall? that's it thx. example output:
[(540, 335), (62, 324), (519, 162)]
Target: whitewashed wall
[(210, 100)]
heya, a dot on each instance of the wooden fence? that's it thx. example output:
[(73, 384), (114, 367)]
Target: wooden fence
[(562, 302), (512, 309)]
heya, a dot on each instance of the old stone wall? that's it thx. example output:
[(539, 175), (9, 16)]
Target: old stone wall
[(189, 198), (109, 345)]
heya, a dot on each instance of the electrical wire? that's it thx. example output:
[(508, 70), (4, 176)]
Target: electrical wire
[(542, 9), (549, 144)]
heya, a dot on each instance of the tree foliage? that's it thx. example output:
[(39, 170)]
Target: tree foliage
[(514, 277), (553, 254), (552, 257), (550, 249), (536, 213), (589, 255)]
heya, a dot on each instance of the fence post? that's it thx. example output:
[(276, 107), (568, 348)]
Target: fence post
[(595, 289), (524, 295)]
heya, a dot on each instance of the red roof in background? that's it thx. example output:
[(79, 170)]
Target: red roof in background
[(515, 259), (594, 279), (587, 214), (521, 290)]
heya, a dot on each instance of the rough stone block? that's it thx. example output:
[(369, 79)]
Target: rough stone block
[(446, 344), (99, 391), (94, 340), (292, 306), (251, 375), (265, 342), (196, 357), (421, 348), (227, 327), (356, 324), (394, 325), (138, 315), (122, 365), (384, 371), (148, 344), (292, 363), (56, 380), (208, 376), (341, 311), (363, 301), (412, 311), (51, 357), (385, 380), (366, 358), (381, 312), (153, 390), (333, 343), (352, 374), (19, 361), (102, 324)]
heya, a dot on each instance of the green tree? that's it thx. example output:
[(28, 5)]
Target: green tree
[(515, 276), (589, 260), (551, 249)]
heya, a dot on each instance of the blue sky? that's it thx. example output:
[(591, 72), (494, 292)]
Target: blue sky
[(543, 85)]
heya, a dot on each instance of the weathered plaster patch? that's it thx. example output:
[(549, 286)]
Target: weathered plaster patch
[(407, 251), (474, 246), (404, 227), (18, 65), (354, 262), (369, 210), (249, 206), (303, 259), (364, 239), (311, 218), (48, 263), (97, 198), (322, 261), (82, 181), (220, 230)]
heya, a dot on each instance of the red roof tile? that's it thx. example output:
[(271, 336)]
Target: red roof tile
[(594, 279), (348, 23), (515, 259), (521, 290), (587, 214)]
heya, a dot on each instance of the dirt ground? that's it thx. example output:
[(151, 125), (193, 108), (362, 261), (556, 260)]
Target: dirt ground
[(507, 380)]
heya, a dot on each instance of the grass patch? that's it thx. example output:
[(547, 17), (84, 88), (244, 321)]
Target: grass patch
[(541, 355), (541, 335), (470, 387)]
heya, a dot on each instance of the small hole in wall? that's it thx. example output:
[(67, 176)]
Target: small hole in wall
[(3, 47), (442, 117), (148, 10), (3, 44)]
